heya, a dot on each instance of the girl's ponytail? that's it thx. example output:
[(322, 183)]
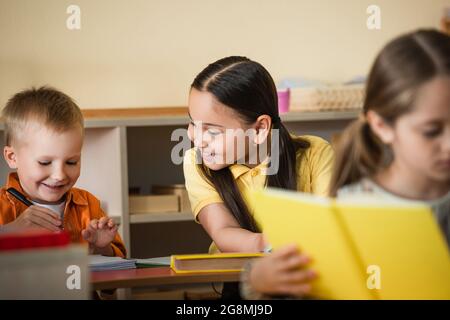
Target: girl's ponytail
[(359, 153)]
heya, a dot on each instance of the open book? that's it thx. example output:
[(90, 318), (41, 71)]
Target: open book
[(153, 262), (219, 262), (360, 250)]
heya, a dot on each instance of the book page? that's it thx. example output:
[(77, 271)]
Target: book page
[(291, 217), (403, 247)]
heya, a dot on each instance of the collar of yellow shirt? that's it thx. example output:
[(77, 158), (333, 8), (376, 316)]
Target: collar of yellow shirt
[(238, 170)]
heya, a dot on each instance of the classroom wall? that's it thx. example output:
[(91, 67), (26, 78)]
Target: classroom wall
[(146, 52)]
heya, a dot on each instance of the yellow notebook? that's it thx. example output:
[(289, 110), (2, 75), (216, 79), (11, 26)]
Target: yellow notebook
[(360, 250), (219, 262)]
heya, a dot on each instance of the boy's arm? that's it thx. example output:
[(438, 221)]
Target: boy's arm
[(116, 247), (6, 210)]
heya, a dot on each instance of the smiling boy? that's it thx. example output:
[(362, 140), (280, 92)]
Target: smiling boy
[(44, 136)]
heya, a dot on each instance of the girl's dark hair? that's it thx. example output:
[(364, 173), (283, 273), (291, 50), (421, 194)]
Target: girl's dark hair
[(399, 70), (247, 87)]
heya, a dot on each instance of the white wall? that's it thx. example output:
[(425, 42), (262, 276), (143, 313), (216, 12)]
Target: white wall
[(146, 52)]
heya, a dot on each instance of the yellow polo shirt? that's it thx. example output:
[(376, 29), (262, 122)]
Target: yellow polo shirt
[(314, 169)]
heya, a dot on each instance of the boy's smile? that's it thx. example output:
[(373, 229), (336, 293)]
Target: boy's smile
[(47, 161)]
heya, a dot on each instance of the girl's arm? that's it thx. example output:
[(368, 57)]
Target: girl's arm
[(284, 272), (225, 231)]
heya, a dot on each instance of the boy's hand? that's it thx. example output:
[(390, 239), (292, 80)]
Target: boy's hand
[(282, 272), (36, 217), (100, 233)]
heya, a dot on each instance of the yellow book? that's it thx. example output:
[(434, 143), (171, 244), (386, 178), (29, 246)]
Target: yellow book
[(219, 262), (360, 250)]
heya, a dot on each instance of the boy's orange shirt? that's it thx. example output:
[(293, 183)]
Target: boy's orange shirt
[(81, 208)]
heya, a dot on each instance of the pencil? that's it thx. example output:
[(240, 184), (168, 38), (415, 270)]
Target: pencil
[(19, 196)]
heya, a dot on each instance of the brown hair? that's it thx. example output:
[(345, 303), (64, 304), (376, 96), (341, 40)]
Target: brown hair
[(247, 88), (46, 105), (400, 69)]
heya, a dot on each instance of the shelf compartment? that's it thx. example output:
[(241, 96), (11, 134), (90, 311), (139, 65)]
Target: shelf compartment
[(160, 217)]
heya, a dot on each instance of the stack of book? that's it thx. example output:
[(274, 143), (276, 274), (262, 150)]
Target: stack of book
[(102, 263)]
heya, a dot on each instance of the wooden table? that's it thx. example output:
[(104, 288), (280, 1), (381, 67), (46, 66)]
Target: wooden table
[(147, 277)]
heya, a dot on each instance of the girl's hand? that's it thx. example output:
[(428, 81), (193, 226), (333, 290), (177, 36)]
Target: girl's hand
[(282, 272), (36, 217), (100, 234)]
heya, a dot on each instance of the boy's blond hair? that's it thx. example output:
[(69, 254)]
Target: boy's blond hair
[(46, 105)]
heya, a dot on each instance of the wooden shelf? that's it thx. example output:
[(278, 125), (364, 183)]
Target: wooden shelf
[(179, 116), (134, 112), (301, 116), (136, 117), (161, 217)]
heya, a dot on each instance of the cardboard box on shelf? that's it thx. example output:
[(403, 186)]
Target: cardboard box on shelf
[(139, 204), (175, 189)]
